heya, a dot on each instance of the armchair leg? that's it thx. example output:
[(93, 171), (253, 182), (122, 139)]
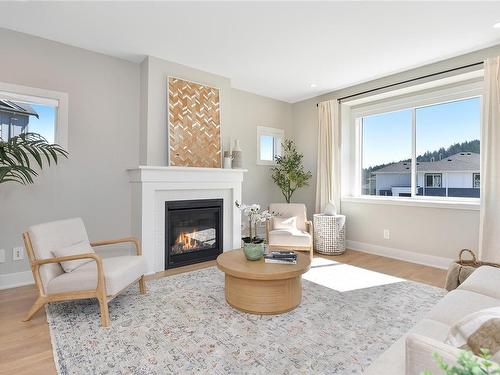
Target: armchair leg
[(142, 285), (39, 303), (103, 306)]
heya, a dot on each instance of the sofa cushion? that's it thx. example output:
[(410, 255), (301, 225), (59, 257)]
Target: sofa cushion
[(458, 304), (392, 361), (76, 249), (119, 272), (485, 280), (47, 237), (289, 237)]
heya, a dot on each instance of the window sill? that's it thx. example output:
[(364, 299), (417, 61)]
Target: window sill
[(470, 205)]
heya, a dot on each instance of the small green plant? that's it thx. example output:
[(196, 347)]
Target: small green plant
[(468, 364), (290, 174), (17, 155)]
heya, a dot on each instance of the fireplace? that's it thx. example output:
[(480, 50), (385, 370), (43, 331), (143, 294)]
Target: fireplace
[(193, 231)]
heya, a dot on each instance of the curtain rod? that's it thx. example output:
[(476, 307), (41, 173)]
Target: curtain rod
[(409, 80)]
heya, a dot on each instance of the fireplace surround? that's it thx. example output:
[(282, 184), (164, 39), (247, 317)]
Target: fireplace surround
[(193, 231)]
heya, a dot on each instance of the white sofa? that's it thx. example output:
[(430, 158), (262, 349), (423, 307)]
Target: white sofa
[(412, 353)]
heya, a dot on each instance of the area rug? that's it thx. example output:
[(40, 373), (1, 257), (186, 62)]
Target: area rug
[(183, 325)]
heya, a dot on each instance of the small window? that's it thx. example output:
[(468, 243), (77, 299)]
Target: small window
[(433, 180), (268, 144), (26, 109), (476, 180)]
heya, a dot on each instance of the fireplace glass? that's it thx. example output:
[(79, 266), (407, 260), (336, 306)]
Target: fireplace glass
[(193, 231)]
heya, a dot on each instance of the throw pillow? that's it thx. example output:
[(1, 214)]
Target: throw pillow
[(82, 247), (285, 223), (479, 330)]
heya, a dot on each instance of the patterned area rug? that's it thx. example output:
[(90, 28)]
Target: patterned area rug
[(184, 326)]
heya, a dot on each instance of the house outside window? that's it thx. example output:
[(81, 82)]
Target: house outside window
[(433, 180), (476, 184), (426, 144)]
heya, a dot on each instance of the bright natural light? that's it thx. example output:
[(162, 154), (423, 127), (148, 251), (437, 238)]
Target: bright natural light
[(344, 277)]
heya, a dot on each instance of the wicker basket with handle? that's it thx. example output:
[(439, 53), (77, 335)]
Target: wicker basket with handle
[(460, 270)]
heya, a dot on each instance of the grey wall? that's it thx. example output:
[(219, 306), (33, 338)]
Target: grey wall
[(103, 141), (117, 120), (440, 232)]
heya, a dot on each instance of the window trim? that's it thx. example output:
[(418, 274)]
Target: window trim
[(43, 96), (273, 132), (433, 174), (351, 114)]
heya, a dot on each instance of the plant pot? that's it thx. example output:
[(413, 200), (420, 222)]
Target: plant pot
[(253, 251)]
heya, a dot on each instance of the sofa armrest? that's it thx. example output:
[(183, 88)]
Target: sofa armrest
[(419, 354), (133, 240)]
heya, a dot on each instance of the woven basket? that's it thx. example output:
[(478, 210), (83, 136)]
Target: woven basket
[(460, 270), (329, 234)]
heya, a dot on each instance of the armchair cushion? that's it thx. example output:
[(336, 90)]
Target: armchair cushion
[(285, 222), (287, 210), (76, 249), (289, 238), (119, 272), (48, 237)]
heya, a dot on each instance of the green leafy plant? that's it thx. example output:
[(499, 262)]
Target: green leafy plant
[(468, 364), (290, 174), (19, 153)]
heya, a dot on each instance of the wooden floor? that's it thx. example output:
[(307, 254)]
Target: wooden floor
[(25, 348)]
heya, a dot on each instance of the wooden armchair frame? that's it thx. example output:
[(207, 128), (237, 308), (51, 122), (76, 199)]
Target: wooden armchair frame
[(309, 227), (99, 292)]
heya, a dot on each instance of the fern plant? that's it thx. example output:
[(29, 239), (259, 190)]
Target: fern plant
[(18, 154), (468, 364)]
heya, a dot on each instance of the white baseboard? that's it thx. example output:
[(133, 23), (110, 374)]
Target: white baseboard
[(13, 280), (408, 256)]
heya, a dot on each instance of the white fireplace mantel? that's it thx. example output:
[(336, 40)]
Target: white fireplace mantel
[(153, 186)]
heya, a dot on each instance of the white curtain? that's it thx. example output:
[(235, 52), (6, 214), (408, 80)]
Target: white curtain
[(489, 229), (328, 164)]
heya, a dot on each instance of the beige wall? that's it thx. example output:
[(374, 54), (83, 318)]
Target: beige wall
[(247, 112), (117, 120), (430, 231), (103, 131)]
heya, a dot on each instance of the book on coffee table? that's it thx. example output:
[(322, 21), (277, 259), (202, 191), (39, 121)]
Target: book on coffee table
[(281, 257)]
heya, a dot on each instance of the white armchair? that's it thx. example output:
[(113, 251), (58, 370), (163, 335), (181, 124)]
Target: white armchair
[(290, 229), (92, 277)]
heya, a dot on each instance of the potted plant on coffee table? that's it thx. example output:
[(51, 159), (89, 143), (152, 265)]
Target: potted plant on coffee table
[(253, 246)]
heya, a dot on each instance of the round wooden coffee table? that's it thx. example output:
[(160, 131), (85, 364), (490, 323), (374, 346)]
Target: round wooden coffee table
[(262, 288)]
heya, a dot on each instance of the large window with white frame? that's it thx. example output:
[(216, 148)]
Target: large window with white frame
[(423, 145)]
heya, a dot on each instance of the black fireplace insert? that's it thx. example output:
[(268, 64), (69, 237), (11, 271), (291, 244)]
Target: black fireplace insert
[(193, 231)]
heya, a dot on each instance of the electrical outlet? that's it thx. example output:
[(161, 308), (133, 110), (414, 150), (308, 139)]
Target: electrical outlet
[(2, 255), (387, 234), (18, 253)]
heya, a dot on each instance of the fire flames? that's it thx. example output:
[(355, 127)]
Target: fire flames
[(186, 240)]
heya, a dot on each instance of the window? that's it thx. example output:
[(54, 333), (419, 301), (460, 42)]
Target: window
[(476, 181), (26, 109), (268, 144), (433, 180), (422, 145)]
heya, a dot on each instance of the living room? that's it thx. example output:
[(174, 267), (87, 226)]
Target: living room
[(156, 159)]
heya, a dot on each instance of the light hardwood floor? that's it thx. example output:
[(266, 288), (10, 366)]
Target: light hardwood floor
[(25, 348)]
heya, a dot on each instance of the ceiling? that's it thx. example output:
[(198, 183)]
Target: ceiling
[(276, 49)]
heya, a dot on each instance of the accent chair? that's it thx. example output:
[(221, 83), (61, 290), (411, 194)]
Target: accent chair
[(290, 229), (65, 266)]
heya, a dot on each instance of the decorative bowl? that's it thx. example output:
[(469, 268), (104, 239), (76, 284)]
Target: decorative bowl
[(253, 251)]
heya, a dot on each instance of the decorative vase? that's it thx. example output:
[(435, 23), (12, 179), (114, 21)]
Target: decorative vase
[(253, 251), (330, 209), (237, 155)]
